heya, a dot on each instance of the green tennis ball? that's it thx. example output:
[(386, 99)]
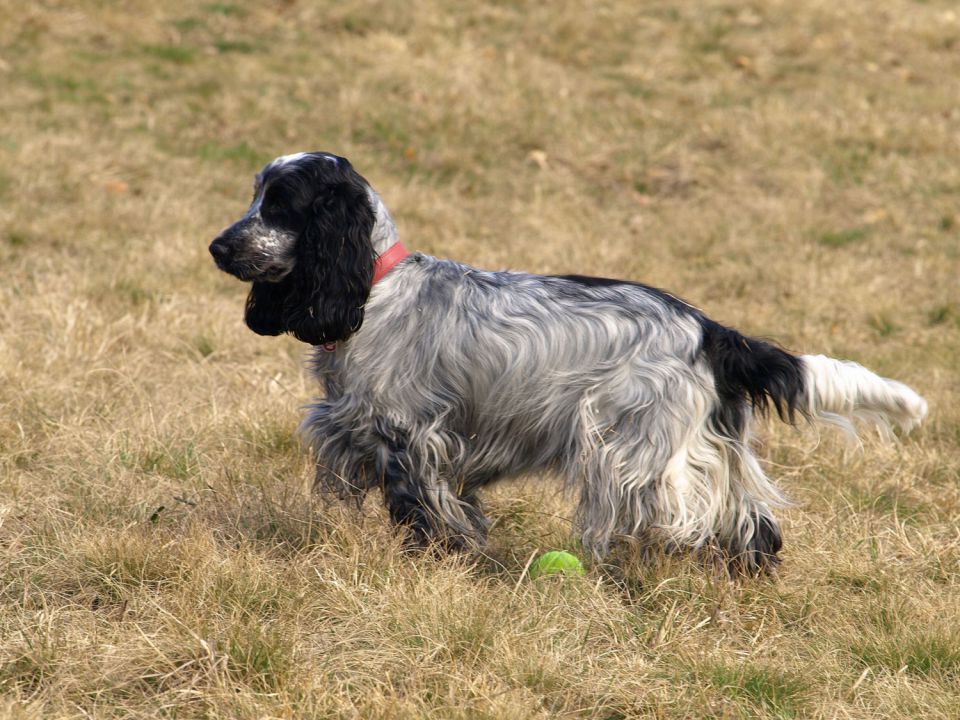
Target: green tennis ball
[(556, 561)]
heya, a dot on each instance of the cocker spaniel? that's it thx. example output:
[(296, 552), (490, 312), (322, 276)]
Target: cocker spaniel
[(441, 379)]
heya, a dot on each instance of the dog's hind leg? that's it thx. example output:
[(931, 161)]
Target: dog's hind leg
[(674, 478), (617, 468), (758, 554), (748, 532)]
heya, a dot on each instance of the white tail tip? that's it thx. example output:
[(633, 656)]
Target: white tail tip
[(838, 387)]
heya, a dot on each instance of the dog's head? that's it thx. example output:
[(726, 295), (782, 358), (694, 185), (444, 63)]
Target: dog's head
[(305, 243)]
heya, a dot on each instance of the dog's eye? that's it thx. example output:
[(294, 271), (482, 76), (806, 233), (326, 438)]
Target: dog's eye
[(274, 208), (272, 200)]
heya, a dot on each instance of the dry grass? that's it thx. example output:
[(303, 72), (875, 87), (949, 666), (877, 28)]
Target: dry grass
[(789, 166)]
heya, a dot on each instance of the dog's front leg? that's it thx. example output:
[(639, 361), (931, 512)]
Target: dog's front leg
[(405, 499), (344, 461), (419, 494)]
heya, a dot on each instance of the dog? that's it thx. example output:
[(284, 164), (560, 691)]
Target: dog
[(441, 379)]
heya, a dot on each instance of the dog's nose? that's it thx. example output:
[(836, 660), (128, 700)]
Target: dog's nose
[(219, 249)]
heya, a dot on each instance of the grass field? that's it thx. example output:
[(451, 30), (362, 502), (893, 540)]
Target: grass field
[(791, 167)]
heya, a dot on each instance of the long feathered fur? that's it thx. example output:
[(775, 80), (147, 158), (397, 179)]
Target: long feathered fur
[(461, 377)]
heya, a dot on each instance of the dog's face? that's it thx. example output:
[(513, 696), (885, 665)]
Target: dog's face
[(305, 244)]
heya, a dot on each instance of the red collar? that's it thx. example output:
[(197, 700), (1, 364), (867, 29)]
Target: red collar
[(384, 264)]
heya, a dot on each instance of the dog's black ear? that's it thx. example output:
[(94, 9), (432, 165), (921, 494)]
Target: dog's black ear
[(334, 270), (264, 313)]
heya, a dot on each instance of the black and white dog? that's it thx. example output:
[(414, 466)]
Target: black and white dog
[(441, 379)]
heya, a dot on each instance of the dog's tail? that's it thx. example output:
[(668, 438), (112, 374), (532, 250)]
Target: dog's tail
[(838, 390), (815, 386)]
